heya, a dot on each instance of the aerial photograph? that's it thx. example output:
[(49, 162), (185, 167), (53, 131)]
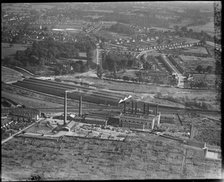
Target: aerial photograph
[(111, 90)]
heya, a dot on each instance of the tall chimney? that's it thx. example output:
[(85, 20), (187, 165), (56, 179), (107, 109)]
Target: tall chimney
[(65, 108), (153, 123), (157, 108), (144, 108), (132, 107), (97, 56), (147, 111), (124, 107), (135, 107)]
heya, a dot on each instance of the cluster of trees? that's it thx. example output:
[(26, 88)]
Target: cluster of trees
[(115, 62), (10, 62), (77, 67), (121, 28), (46, 51), (200, 69), (50, 52)]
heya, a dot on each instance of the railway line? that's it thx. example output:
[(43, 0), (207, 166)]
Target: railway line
[(92, 95), (75, 86), (74, 109), (58, 89)]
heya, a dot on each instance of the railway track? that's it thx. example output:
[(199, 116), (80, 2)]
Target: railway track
[(73, 109), (58, 89), (75, 86), (92, 95)]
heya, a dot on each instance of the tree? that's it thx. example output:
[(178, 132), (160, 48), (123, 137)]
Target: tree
[(99, 71), (77, 67), (199, 69), (184, 29), (124, 63)]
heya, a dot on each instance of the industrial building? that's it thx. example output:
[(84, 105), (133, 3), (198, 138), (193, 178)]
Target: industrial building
[(25, 114), (132, 115)]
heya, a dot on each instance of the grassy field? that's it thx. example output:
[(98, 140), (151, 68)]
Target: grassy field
[(10, 75), (142, 156)]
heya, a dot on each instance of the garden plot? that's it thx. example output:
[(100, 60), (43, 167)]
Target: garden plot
[(191, 62)]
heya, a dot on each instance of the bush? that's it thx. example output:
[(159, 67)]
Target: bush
[(57, 80)]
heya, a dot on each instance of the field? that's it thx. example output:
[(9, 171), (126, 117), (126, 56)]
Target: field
[(9, 51), (142, 156)]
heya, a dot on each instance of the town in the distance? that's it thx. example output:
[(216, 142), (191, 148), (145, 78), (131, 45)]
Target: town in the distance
[(111, 90)]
